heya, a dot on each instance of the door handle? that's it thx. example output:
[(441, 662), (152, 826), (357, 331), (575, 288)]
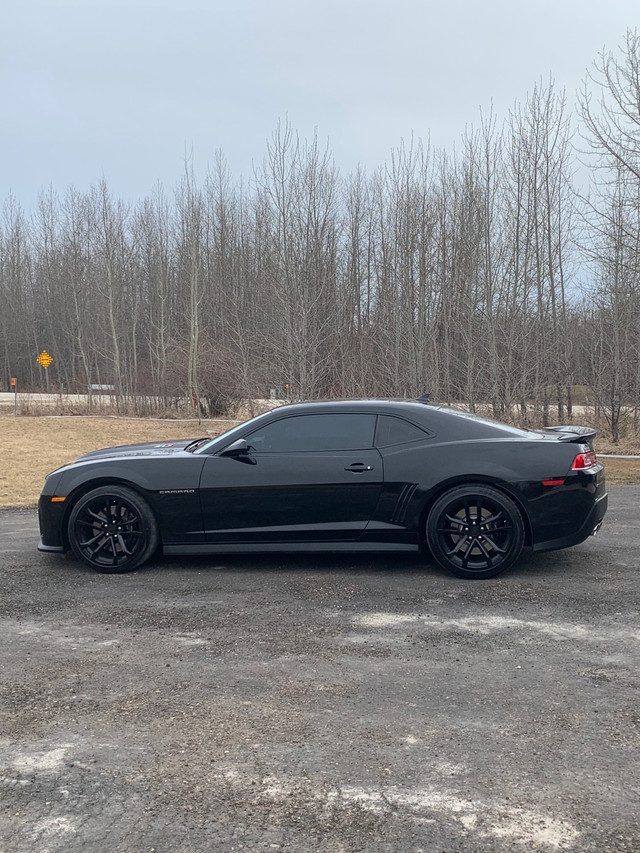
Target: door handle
[(357, 467)]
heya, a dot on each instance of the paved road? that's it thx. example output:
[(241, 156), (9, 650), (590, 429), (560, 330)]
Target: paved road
[(52, 399), (337, 704)]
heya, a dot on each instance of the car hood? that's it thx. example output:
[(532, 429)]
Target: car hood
[(151, 448)]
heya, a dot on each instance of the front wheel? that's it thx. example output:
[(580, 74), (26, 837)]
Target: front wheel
[(113, 530), (475, 531)]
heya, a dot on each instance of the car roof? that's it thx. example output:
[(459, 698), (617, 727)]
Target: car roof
[(436, 418), (350, 405)]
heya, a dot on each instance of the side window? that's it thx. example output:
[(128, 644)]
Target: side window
[(315, 432), (396, 431)]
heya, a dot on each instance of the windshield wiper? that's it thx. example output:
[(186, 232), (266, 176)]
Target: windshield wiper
[(196, 444)]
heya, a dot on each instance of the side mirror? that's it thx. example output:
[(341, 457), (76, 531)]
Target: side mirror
[(238, 448)]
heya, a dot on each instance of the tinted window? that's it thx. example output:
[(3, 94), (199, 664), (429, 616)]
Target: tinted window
[(315, 432), (477, 423), (396, 431)]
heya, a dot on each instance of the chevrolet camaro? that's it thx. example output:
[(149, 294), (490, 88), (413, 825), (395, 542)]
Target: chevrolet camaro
[(360, 475)]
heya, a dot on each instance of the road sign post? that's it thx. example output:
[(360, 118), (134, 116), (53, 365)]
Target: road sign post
[(14, 385)]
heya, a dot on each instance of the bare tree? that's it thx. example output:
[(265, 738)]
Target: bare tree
[(610, 110)]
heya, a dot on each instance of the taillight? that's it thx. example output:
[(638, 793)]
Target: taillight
[(584, 460)]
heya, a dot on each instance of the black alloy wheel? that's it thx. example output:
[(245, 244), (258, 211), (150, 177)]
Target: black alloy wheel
[(475, 531), (113, 530)]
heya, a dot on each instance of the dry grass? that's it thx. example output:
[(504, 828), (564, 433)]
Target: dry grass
[(622, 472), (32, 447)]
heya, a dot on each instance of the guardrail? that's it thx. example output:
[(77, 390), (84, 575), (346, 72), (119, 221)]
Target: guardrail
[(615, 456)]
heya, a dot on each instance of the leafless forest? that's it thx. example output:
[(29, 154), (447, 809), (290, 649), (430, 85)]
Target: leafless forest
[(504, 273)]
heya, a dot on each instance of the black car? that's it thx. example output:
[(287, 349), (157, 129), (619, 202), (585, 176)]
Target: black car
[(361, 475)]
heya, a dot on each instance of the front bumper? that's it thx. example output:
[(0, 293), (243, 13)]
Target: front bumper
[(50, 549), (51, 521)]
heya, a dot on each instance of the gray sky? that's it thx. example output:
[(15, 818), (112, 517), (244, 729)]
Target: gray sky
[(123, 88)]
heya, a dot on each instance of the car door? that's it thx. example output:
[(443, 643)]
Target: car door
[(314, 477)]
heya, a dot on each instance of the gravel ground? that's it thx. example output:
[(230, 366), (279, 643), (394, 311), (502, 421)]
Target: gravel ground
[(330, 704)]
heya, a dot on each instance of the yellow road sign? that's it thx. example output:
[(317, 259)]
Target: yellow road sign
[(44, 359)]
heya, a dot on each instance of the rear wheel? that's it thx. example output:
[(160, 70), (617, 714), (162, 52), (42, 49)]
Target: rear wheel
[(113, 530), (475, 531)]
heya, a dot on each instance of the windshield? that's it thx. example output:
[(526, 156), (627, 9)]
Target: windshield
[(225, 437)]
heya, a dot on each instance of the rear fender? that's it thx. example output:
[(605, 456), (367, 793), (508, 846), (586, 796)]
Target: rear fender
[(508, 489)]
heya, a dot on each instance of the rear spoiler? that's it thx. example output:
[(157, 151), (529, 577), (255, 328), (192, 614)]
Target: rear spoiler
[(577, 434)]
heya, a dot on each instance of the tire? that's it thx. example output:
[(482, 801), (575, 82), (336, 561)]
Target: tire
[(113, 530), (475, 531)]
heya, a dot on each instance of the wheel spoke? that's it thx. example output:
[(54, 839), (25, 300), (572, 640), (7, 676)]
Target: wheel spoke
[(123, 546), (458, 547), (90, 542), (494, 545), (483, 549), (100, 546), (86, 523)]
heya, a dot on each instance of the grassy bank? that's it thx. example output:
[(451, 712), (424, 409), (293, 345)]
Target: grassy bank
[(32, 447)]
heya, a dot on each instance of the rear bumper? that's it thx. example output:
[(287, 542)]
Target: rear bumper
[(590, 526)]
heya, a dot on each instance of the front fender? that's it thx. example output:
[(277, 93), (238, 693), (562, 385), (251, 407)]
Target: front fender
[(170, 485)]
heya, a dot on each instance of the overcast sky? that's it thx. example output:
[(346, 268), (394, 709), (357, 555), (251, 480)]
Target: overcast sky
[(123, 88)]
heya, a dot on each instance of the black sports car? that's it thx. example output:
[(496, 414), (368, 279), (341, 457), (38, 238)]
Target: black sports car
[(355, 475)]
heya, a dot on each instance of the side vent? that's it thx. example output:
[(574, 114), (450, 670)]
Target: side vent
[(402, 503)]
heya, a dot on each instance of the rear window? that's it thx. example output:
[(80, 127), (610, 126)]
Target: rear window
[(480, 421), (396, 431)]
